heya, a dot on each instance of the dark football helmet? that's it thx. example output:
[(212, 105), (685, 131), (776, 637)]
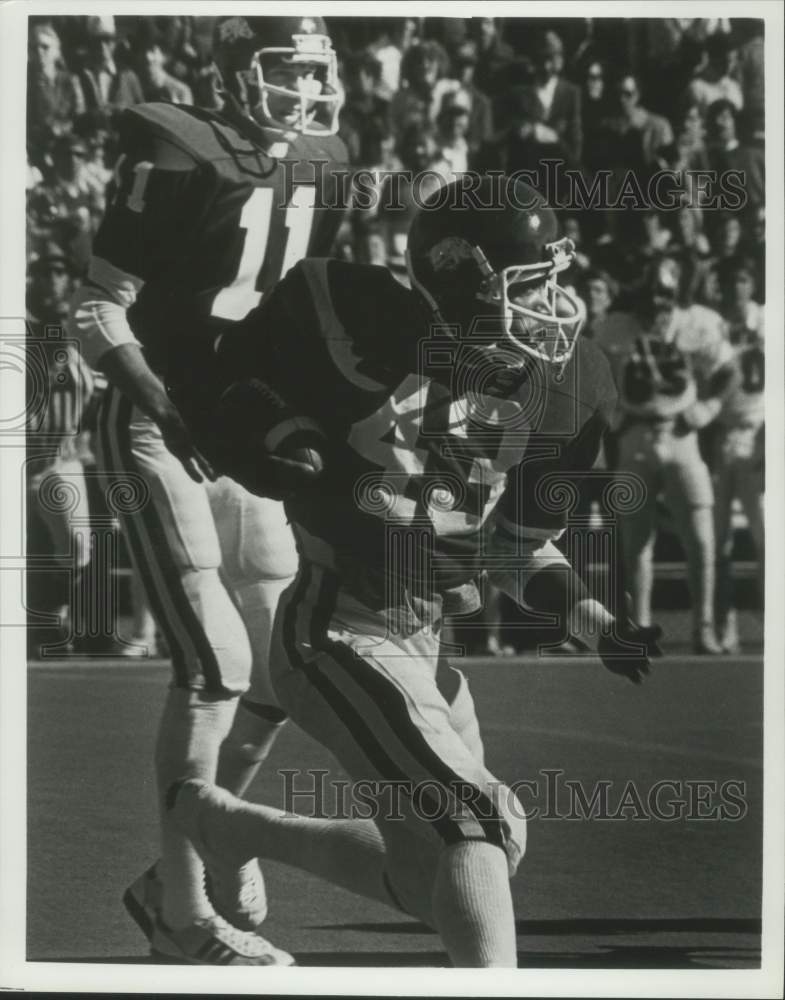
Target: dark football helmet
[(283, 71), (493, 252)]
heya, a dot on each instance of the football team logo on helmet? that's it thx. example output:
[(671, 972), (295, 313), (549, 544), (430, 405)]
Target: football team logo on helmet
[(233, 28), (449, 252)]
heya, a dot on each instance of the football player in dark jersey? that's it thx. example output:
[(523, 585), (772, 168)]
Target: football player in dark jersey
[(415, 446), (210, 208)]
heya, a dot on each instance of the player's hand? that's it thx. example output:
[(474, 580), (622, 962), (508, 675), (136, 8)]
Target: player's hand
[(629, 649), (179, 442)]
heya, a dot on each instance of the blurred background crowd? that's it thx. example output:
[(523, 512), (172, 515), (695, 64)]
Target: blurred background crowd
[(446, 95)]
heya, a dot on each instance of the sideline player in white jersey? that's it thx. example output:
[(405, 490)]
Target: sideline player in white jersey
[(739, 447), (411, 446), (673, 368), (210, 209)]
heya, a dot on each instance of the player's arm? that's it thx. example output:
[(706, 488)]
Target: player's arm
[(260, 433), (151, 203), (717, 373), (529, 568)]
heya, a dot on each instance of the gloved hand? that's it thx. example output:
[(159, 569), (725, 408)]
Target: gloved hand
[(629, 649)]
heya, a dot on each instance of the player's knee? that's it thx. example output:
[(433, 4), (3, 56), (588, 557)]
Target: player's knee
[(503, 822), (221, 628), (486, 811)]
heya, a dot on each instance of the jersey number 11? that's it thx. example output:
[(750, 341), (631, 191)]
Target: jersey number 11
[(236, 300)]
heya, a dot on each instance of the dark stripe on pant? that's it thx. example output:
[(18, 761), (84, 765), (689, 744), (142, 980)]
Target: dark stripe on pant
[(136, 545), (392, 705), (169, 571), (346, 712)]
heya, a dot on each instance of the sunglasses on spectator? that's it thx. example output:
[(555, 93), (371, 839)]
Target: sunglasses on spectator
[(594, 76), (627, 92)]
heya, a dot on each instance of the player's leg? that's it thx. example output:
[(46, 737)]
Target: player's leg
[(59, 496), (637, 528), (371, 698), (751, 492), (725, 484), (173, 543), (690, 498), (375, 705), (259, 560)]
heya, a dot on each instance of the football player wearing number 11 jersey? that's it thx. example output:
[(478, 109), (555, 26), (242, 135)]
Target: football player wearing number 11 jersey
[(205, 218), (420, 437)]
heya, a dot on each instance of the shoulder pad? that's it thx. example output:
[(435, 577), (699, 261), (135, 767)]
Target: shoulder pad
[(179, 136)]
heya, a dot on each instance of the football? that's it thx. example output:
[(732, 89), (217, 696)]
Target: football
[(263, 443)]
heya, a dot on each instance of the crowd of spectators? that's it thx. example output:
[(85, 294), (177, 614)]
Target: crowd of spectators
[(447, 95), (450, 95)]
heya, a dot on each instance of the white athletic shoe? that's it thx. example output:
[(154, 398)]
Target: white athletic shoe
[(213, 941)]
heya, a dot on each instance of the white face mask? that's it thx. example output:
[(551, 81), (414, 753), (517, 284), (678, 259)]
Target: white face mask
[(315, 100), (541, 319)]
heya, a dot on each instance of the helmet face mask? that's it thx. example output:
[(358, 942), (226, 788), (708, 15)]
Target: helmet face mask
[(291, 84), (539, 317), (304, 76)]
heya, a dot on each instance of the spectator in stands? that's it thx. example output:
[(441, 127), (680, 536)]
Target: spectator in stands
[(60, 386), (54, 97), (469, 96), (637, 135), (417, 152), (452, 128), (727, 240), (752, 77), (691, 137), (365, 116), (107, 87), (714, 81), (595, 110), (397, 36), (99, 144), (493, 55), (726, 152), (546, 113), (709, 291), (598, 291), (423, 86), (73, 187), (157, 83)]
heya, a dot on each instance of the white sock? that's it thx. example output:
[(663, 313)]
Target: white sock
[(588, 620), (472, 906), (250, 739), (189, 737), (347, 852)]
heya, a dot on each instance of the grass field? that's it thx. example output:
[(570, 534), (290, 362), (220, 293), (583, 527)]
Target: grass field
[(627, 890)]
